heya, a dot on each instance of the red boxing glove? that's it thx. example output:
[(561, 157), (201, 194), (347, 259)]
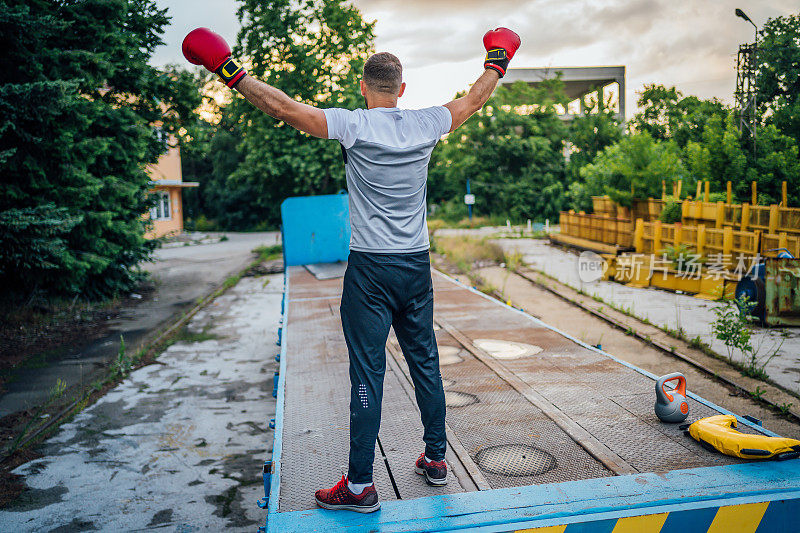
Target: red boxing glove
[(204, 47), (501, 45)]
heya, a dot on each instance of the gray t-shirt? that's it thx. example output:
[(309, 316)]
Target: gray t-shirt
[(387, 155)]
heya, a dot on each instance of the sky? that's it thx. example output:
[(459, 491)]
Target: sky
[(691, 44)]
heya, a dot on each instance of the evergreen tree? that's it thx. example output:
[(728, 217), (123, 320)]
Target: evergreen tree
[(81, 109)]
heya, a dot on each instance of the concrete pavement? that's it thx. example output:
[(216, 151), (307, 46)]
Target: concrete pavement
[(177, 445), (182, 275)]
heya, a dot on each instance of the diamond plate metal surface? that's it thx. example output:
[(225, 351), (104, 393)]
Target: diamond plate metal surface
[(316, 416), (611, 401), (502, 417), (401, 437), (511, 440)]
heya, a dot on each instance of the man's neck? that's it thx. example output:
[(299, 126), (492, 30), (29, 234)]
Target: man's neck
[(382, 103)]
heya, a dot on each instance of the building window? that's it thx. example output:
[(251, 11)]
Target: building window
[(161, 211), (162, 136)]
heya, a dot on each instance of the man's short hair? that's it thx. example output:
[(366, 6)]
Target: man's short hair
[(383, 73)]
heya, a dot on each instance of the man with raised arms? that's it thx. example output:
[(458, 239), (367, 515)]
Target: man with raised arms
[(388, 278)]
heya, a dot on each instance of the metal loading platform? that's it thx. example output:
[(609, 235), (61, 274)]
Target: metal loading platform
[(543, 431)]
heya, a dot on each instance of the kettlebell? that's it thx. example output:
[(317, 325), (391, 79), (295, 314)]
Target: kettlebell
[(671, 406)]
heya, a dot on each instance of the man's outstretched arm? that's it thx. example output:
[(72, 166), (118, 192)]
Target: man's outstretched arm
[(204, 47), (277, 104), (501, 45), (463, 108)]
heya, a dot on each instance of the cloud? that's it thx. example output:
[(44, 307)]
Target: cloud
[(689, 44)]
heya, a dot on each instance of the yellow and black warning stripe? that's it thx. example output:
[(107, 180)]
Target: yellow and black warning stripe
[(761, 517)]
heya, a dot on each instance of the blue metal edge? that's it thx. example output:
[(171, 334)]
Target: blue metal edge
[(277, 446), (642, 371), (568, 502)]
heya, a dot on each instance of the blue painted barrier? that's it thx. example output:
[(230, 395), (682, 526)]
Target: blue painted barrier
[(316, 229)]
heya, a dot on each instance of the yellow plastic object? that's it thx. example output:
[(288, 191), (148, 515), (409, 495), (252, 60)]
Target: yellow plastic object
[(718, 432)]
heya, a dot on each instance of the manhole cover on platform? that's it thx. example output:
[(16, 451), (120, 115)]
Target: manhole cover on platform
[(507, 349), (459, 399), (448, 355), (515, 460)]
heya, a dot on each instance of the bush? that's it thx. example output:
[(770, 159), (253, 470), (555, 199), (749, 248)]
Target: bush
[(201, 223), (435, 224), (633, 168), (715, 197), (672, 211)]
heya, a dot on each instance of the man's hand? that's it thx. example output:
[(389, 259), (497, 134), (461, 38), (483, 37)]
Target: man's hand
[(204, 47), (501, 45)]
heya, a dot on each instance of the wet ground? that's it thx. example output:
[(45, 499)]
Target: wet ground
[(178, 444), (182, 275)]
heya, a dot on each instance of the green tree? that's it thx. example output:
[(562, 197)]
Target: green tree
[(633, 168), (313, 50), (776, 161), (718, 155), (209, 155), (779, 74), (722, 155), (664, 113), (589, 133), (83, 113), (511, 151)]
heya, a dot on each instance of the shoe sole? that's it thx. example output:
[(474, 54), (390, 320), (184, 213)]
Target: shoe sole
[(356, 508), (430, 480)]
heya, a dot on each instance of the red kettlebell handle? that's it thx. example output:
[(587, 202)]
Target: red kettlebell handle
[(681, 387)]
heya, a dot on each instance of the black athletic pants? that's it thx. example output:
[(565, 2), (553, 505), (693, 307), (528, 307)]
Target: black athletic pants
[(382, 290)]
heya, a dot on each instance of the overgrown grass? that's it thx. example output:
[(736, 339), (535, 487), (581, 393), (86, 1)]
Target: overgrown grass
[(184, 335), (465, 252), (269, 253)]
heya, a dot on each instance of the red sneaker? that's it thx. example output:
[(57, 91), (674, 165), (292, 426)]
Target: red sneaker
[(339, 497), (435, 472)]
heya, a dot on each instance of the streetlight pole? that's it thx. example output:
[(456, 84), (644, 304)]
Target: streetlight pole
[(741, 14), (469, 206)]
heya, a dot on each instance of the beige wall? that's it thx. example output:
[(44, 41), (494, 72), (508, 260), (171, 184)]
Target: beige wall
[(168, 166)]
